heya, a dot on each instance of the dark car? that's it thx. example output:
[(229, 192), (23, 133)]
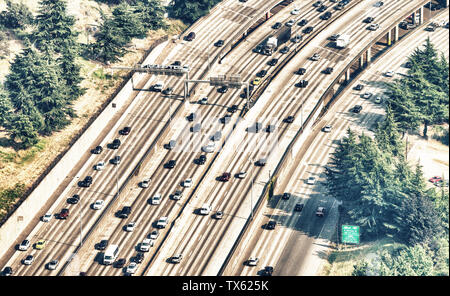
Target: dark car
[(277, 25), (120, 263), (317, 3), (139, 257), (216, 136), (171, 164), (357, 109), (261, 162), (251, 87), (219, 43), (359, 87), (97, 150), (289, 119), (190, 36), (261, 73), (125, 212), (115, 159), (222, 89), (300, 71), (74, 199), (298, 207), (285, 49), (286, 195), (192, 117), (326, 16), (272, 62), (322, 8), (308, 30), (271, 225), (64, 214), (125, 131), (303, 22), (328, 70), (201, 159), (268, 270), (115, 144), (233, 109), (86, 182), (7, 271), (368, 20), (102, 244), (225, 177), (168, 91), (302, 83)]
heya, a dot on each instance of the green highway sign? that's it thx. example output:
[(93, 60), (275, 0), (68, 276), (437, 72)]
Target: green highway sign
[(350, 234)]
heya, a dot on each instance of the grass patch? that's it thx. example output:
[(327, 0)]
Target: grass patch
[(30, 154), (341, 262), (10, 196), (100, 74)]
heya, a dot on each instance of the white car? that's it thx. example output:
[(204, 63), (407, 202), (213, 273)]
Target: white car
[(209, 148), (320, 211), (242, 175), (131, 269), (28, 260), (156, 200), (290, 23), (374, 27), (378, 100), (98, 204), (177, 195), (315, 57), (47, 217), (367, 95), (146, 244), (204, 101), (326, 129), (311, 181), (187, 183), (154, 234), (24, 245), (205, 209), (176, 258), (100, 166), (162, 222), (252, 261), (145, 183), (295, 11), (53, 264), (389, 73), (130, 226)]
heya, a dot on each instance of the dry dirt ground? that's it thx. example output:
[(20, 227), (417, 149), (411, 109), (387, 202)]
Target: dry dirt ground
[(25, 166)]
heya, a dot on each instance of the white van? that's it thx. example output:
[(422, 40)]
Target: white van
[(110, 254)]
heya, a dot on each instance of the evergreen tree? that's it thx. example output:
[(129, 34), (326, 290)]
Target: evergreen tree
[(54, 28), (420, 220), (16, 15), (5, 107), (191, 10), (150, 14)]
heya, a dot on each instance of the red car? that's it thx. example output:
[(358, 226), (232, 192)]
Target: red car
[(225, 177), (64, 214), (435, 179)]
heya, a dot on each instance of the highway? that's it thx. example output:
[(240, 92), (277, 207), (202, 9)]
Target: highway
[(300, 241), (147, 115), (205, 242)]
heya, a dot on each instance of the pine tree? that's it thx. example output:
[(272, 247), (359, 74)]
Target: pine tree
[(54, 28)]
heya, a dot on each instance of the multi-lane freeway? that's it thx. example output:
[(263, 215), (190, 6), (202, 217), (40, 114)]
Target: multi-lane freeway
[(204, 241)]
